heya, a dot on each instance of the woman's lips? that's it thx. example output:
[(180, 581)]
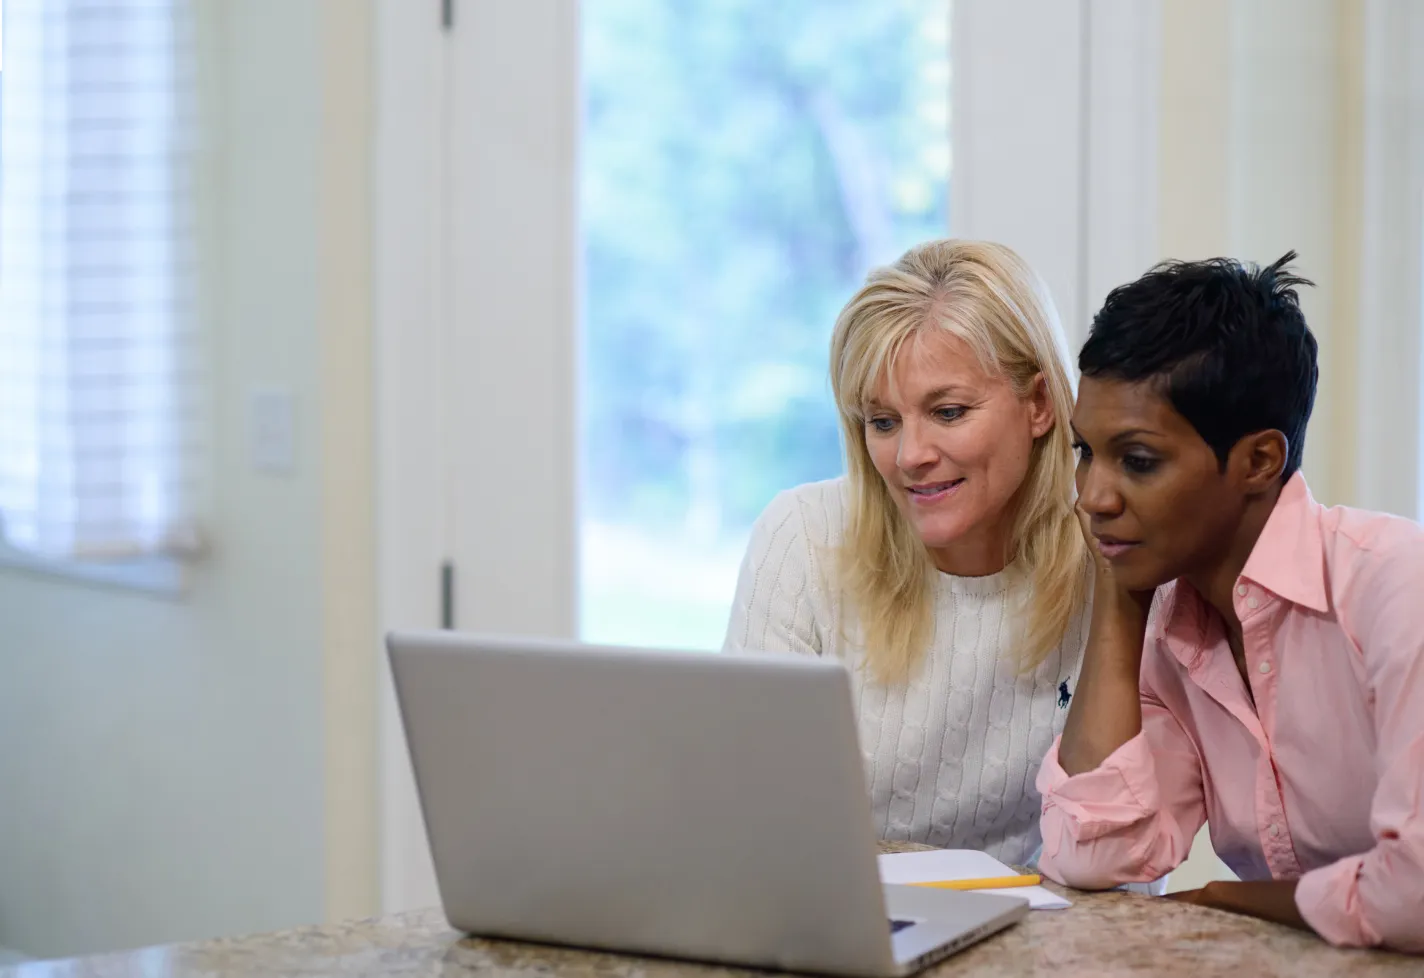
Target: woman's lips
[(1112, 547), (933, 492)]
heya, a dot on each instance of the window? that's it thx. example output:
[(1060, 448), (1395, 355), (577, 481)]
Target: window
[(98, 422), (744, 164)]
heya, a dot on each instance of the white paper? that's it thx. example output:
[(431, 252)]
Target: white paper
[(962, 864)]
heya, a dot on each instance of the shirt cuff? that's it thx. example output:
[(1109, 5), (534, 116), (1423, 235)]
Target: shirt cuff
[(1329, 900), (1120, 791)]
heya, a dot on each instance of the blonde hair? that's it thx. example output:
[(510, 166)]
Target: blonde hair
[(987, 296)]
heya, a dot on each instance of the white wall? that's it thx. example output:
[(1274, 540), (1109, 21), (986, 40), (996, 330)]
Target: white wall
[(177, 769), (347, 456), (1249, 161), (1300, 124)]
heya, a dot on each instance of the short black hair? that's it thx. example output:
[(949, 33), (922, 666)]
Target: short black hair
[(1226, 340)]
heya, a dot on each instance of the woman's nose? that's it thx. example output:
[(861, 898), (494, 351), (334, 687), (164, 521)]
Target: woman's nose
[(916, 449), (1097, 495)]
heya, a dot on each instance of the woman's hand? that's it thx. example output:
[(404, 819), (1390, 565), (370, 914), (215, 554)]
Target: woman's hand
[(1106, 712), (1131, 603), (1272, 900)]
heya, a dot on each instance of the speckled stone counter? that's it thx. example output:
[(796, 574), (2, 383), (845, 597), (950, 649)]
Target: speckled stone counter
[(1103, 935)]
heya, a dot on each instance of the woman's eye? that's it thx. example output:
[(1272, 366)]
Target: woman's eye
[(950, 413), (882, 424), (1139, 464)]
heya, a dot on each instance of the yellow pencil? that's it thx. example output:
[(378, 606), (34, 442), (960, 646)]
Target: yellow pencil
[(993, 883)]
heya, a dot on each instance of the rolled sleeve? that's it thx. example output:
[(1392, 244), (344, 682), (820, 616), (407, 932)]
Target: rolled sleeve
[(1376, 898), (1129, 820), (1328, 899)]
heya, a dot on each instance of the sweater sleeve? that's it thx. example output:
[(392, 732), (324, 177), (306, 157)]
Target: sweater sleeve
[(775, 608)]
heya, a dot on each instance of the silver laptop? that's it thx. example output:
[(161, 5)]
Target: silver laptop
[(691, 805)]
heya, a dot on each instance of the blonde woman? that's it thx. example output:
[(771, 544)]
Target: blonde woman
[(946, 568)]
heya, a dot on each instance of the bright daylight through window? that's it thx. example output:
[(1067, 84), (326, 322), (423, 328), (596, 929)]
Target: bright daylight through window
[(744, 164)]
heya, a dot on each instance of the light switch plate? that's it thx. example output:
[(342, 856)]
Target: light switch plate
[(272, 433)]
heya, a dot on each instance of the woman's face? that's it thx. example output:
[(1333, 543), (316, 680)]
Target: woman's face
[(1158, 503), (953, 444)]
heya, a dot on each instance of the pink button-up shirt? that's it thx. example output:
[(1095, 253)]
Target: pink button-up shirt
[(1323, 779)]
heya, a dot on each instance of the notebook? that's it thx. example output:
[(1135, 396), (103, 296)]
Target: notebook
[(962, 864)]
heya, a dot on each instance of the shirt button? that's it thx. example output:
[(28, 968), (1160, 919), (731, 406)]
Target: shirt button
[(1253, 604), (1241, 590), (1265, 667), (1275, 830)]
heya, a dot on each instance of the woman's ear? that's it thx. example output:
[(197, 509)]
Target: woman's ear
[(1258, 460), (1040, 407)]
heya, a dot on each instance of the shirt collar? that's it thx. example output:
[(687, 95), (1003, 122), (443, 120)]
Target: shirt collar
[(1288, 560), (1180, 619), (1289, 557)]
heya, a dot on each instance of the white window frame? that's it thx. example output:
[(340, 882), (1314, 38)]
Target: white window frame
[(1013, 117)]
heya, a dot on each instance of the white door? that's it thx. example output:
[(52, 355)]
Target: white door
[(612, 241)]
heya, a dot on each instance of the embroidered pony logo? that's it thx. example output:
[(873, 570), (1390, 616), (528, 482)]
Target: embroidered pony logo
[(1063, 695)]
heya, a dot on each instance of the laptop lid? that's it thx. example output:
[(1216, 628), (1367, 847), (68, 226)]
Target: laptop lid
[(687, 804)]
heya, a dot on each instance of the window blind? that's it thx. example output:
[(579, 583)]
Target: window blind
[(100, 416)]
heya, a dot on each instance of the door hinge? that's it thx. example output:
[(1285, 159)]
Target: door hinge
[(447, 595)]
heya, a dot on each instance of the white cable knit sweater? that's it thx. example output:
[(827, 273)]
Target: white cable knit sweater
[(952, 755)]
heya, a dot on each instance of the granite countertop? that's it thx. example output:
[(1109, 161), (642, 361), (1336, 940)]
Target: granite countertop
[(1103, 935)]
